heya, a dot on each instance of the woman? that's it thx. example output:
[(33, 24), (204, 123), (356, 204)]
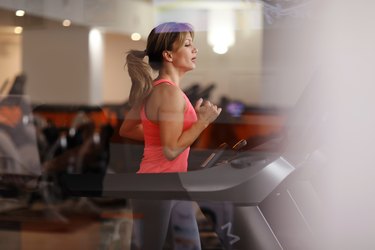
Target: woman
[(163, 117)]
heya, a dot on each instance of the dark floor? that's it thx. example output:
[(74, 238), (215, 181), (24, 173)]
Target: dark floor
[(76, 224)]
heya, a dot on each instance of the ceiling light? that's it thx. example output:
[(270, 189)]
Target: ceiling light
[(18, 30), (20, 13), (221, 29), (66, 23), (135, 36), (219, 49)]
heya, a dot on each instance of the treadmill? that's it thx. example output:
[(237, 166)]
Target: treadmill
[(274, 194)]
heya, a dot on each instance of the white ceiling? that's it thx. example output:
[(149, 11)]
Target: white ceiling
[(121, 15), (128, 16)]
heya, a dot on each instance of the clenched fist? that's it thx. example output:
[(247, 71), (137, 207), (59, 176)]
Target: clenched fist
[(206, 111)]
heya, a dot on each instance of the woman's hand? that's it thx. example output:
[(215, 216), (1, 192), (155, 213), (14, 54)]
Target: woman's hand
[(206, 111)]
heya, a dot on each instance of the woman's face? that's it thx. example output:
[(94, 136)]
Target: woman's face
[(184, 57)]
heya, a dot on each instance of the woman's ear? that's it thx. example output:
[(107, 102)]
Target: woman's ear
[(167, 55)]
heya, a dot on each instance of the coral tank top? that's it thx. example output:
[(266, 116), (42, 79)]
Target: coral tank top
[(153, 160)]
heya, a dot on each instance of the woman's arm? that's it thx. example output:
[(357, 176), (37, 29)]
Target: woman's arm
[(171, 118), (132, 127)]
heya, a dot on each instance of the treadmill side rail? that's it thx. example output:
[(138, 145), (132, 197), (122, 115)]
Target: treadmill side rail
[(248, 185)]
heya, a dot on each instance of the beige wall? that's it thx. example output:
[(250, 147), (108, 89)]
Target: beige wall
[(236, 73), (116, 84), (10, 57), (56, 62)]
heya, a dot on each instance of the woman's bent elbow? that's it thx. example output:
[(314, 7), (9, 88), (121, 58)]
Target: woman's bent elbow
[(170, 154)]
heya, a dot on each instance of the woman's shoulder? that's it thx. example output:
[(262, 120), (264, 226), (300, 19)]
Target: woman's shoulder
[(165, 94), (167, 89)]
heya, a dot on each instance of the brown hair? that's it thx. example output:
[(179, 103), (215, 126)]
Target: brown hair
[(163, 37)]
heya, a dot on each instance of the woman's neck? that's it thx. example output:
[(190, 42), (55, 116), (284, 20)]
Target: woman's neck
[(170, 75)]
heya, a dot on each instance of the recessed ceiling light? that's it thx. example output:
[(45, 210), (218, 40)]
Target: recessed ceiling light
[(66, 23), (20, 13), (136, 36), (18, 30)]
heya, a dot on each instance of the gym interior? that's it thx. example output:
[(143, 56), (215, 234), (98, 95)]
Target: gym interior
[(288, 164)]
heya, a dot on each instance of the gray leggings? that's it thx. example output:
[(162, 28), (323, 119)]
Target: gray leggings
[(152, 219)]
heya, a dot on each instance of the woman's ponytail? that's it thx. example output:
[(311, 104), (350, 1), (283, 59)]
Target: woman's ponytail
[(140, 75)]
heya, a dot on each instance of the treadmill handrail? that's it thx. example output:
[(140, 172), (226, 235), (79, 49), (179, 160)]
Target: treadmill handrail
[(249, 185)]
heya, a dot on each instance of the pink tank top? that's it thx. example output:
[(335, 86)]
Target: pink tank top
[(153, 160)]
